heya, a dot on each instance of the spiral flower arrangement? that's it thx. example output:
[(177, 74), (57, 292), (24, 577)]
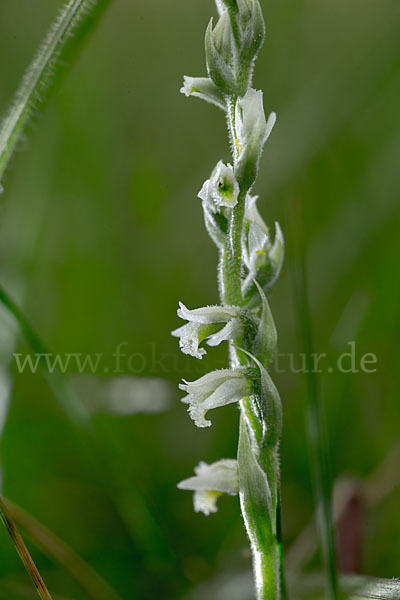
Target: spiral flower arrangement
[(249, 265)]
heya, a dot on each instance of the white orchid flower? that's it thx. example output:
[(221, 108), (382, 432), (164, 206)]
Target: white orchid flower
[(262, 255), (210, 482), (212, 323), (213, 390), (252, 131), (221, 189), (252, 213), (203, 88), (250, 118)]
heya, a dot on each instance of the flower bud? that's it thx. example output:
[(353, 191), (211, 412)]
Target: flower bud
[(248, 31), (220, 54), (252, 29), (223, 5)]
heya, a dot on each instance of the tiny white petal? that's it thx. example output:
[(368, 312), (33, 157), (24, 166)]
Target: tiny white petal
[(206, 502), (207, 314), (220, 6), (204, 193), (207, 383), (257, 239), (221, 476), (231, 331), (270, 124), (189, 340), (252, 213)]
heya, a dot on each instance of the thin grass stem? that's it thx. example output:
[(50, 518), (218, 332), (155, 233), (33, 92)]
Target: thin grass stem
[(23, 552), (316, 429), (55, 548)]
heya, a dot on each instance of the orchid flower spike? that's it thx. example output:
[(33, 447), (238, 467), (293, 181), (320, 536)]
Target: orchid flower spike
[(210, 482), (214, 389), (212, 323)]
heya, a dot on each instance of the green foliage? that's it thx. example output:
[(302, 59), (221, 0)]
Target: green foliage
[(97, 272)]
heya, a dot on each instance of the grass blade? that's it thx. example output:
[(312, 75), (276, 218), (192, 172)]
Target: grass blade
[(23, 552), (69, 402), (50, 544), (358, 587), (77, 17), (352, 587), (314, 413)]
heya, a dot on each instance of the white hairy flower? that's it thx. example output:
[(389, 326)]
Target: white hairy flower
[(221, 189), (252, 132), (210, 482), (212, 323), (203, 88), (214, 389), (250, 118), (259, 251), (252, 214)]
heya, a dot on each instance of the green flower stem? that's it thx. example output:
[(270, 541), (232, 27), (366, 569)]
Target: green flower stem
[(232, 256), (66, 33), (258, 513), (236, 227), (258, 471)]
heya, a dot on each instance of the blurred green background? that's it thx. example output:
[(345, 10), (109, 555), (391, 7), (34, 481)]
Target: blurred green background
[(101, 234)]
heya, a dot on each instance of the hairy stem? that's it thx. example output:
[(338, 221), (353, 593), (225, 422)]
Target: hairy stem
[(258, 472), (67, 31), (232, 256), (259, 514)]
